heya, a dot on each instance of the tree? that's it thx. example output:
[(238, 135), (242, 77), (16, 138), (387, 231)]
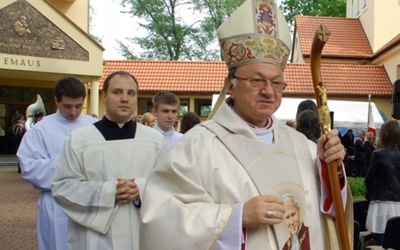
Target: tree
[(169, 37), (292, 8), (218, 11), (91, 13)]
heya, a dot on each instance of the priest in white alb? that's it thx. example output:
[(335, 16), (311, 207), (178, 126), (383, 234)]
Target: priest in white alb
[(102, 172)]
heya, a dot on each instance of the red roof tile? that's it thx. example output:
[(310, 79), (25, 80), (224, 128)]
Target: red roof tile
[(176, 76), (208, 77), (340, 80), (347, 37)]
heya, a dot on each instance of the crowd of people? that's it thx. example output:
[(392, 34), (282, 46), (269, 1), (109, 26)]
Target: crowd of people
[(358, 151), (376, 161), (240, 180)]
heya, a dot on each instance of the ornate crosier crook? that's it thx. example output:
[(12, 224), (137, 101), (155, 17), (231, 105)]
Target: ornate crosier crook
[(320, 38)]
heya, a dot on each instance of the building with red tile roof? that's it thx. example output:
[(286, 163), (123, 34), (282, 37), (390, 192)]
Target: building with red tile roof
[(360, 58), (342, 81), (347, 42), (365, 45), (351, 67), (180, 77), (196, 82), (206, 78)]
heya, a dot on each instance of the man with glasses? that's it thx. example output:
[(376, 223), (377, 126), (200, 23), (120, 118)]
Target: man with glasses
[(220, 185)]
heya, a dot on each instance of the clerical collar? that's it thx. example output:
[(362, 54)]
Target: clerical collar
[(119, 124), (270, 122), (112, 130), (264, 134)]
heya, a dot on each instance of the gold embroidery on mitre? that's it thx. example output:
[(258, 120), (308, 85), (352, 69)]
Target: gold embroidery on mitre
[(242, 49), (265, 18), (236, 52), (252, 35)]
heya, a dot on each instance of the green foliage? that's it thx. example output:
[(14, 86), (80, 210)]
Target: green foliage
[(182, 109), (205, 110), (357, 187), (292, 8), (218, 11), (169, 37), (97, 39), (126, 52)]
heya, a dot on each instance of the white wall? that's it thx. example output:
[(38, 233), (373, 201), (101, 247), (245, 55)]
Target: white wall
[(347, 114)]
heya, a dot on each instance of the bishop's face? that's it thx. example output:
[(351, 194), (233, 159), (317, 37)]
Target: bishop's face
[(121, 98), (256, 91)]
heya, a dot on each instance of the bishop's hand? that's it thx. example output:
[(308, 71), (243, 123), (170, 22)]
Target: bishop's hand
[(262, 210), (330, 149)]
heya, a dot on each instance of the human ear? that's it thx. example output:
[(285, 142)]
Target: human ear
[(229, 85)]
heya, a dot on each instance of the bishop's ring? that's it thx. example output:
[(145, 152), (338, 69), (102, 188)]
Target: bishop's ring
[(271, 214)]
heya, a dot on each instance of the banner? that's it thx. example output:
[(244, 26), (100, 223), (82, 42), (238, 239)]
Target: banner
[(371, 123)]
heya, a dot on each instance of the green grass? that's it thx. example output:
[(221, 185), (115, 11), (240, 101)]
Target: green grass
[(357, 187)]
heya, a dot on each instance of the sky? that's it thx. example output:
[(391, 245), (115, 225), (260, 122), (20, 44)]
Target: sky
[(109, 24)]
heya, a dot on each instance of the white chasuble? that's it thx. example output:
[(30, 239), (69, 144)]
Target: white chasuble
[(190, 195), (281, 169)]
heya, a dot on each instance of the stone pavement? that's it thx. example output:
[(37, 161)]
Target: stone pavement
[(18, 206)]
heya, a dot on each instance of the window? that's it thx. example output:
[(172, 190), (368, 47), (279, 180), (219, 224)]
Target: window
[(25, 95), (398, 70), (144, 105), (365, 3), (5, 93), (203, 107), (356, 7), (184, 107)]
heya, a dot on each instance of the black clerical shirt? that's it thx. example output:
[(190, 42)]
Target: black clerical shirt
[(111, 131)]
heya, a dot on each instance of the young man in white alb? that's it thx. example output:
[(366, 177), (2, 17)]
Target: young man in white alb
[(165, 109)]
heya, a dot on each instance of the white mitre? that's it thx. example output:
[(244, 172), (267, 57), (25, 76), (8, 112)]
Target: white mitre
[(256, 32)]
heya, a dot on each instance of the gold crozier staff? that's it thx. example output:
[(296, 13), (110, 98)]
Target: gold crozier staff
[(320, 38)]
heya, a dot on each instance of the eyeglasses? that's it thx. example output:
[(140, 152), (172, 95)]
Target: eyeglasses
[(261, 83)]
